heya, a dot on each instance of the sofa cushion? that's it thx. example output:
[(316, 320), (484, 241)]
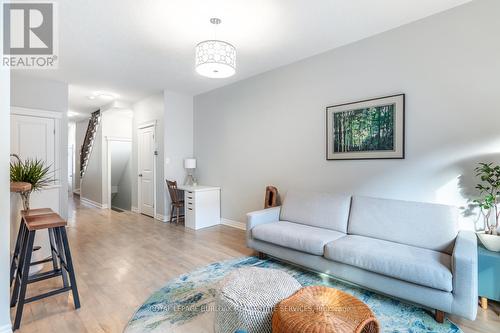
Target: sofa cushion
[(322, 210), (413, 264), (425, 225), (296, 236)]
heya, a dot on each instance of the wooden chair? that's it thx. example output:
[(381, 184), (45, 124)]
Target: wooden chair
[(271, 197), (176, 202)]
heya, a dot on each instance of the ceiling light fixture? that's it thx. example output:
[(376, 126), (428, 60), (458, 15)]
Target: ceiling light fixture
[(215, 58)]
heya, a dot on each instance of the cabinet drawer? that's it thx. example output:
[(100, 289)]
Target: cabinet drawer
[(190, 218), (189, 196)]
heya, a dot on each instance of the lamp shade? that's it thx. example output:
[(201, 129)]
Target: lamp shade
[(215, 59), (190, 163)]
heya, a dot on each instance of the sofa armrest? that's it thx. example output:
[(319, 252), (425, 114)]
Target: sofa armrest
[(261, 217), (464, 270)]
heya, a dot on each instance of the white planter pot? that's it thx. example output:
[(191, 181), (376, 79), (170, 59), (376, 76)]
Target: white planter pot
[(491, 242)]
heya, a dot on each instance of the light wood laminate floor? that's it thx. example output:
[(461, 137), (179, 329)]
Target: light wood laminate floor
[(121, 258)]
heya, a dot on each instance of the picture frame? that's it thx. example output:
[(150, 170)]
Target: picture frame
[(368, 129)]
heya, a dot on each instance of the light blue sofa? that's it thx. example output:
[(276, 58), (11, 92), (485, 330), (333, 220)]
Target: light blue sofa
[(409, 250)]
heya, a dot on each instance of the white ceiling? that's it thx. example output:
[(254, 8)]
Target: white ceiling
[(135, 48)]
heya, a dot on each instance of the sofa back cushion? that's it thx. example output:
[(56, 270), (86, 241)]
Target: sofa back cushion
[(425, 225), (323, 210)]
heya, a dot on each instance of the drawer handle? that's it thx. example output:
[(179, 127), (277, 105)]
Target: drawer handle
[(190, 192), (190, 203), (190, 208), (190, 197)]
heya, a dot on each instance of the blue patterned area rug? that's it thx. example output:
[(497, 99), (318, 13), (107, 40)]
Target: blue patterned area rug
[(185, 303)]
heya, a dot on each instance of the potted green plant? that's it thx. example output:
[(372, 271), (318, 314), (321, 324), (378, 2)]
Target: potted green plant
[(488, 203), (33, 171)]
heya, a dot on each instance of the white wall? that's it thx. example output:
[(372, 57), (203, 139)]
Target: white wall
[(36, 93), (178, 135), (5, 323), (117, 122), (270, 129), (150, 109)]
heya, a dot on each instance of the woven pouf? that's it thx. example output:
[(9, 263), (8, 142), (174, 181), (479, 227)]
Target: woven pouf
[(247, 297), (319, 309)]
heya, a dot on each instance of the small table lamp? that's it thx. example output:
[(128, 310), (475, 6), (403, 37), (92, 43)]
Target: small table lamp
[(190, 165)]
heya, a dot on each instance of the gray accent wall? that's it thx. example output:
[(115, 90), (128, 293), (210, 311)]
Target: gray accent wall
[(178, 138), (270, 129)]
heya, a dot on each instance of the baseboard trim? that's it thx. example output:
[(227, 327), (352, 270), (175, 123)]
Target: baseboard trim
[(234, 224), (159, 217), (93, 203), (6, 328), (162, 218)]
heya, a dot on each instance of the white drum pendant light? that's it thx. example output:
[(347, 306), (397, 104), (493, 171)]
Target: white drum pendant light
[(215, 58)]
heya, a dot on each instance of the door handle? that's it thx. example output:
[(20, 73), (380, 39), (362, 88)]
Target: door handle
[(140, 175)]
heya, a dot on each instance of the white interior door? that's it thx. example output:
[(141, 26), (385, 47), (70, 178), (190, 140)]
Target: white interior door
[(146, 147), (33, 137)]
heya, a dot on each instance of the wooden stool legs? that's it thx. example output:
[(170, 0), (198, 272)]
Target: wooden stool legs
[(22, 278), (62, 265), (15, 259), (69, 267)]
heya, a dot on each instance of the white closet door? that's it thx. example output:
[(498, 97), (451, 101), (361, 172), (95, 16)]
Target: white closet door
[(33, 137), (146, 145)]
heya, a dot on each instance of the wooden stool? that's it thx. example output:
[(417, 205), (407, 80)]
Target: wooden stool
[(62, 265), (20, 237)]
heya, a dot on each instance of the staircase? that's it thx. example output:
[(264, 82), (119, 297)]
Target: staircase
[(88, 142)]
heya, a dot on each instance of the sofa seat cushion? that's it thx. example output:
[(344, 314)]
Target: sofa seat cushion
[(408, 263), (296, 236)]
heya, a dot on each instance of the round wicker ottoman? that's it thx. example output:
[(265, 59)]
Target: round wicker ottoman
[(247, 298), (321, 309)]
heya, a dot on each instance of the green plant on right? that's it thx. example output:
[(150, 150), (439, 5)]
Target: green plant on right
[(489, 190), (33, 171)]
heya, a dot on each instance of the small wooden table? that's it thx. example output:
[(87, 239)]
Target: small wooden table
[(489, 275)]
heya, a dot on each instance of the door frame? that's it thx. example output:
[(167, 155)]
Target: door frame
[(139, 189), (59, 121), (56, 117), (110, 139)]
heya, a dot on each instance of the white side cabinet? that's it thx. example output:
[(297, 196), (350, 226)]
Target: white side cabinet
[(202, 206)]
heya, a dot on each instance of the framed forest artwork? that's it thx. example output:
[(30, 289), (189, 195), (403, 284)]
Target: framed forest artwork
[(370, 129)]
